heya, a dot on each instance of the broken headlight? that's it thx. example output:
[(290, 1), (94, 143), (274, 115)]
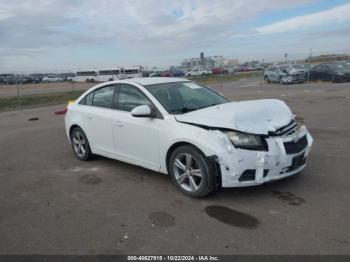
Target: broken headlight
[(246, 141)]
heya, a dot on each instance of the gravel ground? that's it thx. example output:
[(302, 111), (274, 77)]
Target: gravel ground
[(52, 203)]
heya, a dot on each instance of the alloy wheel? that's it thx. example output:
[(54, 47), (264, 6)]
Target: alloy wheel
[(188, 172), (79, 144)]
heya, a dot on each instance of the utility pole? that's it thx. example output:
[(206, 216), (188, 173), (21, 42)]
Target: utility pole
[(262, 74), (310, 55), (19, 99)]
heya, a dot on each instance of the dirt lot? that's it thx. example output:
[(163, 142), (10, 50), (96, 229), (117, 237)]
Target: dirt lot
[(52, 203)]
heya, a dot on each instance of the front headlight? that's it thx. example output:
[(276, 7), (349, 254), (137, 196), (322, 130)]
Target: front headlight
[(246, 141), (286, 79)]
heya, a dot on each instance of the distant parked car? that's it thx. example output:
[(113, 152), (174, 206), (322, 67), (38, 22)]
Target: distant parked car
[(198, 72), (27, 80), (24, 80), (285, 74), (146, 73), (155, 74), (37, 77), (243, 69), (8, 79), (334, 72), (52, 79), (177, 73), (166, 74), (218, 71)]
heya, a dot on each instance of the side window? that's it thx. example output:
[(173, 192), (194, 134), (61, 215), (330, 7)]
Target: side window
[(103, 97), (131, 97), (316, 68), (321, 68), (87, 100)]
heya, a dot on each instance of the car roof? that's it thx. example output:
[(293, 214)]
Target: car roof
[(154, 80)]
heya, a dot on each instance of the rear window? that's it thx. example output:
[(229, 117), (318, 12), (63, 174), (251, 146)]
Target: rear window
[(87, 100), (103, 97)]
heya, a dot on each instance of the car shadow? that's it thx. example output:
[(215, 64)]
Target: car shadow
[(286, 184), (131, 172)]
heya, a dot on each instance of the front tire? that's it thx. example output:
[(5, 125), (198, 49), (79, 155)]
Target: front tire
[(192, 173), (80, 144), (335, 79)]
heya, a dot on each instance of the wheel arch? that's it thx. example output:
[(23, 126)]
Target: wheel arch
[(72, 127)]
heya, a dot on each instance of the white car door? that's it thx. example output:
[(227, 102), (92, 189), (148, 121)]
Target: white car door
[(98, 115), (136, 138)]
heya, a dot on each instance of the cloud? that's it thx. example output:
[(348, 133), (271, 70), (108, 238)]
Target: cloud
[(335, 15), (152, 29), (166, 25)]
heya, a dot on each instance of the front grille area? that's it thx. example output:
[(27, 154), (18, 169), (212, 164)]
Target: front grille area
[(299, 76), (295, 147), (249, 175), (285, 130), (297, 162)]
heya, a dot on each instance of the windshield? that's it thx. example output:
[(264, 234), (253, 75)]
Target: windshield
[(345, 65), (183, 97), (291, 67), (299, 66), (336, 66)]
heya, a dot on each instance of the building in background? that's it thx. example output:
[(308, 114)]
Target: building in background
[(203, 62), (328, 58), (231, 62)]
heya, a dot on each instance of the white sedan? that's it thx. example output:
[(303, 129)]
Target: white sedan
[(198, 72), (197, 136), (52, 79)]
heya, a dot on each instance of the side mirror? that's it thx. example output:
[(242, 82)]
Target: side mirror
[(142, 111)]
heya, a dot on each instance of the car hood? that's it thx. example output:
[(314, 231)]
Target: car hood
[(294, 71), (254, 117)]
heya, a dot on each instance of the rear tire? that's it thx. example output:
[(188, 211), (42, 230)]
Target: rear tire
[(80, 144), (267, 79), (192, 173)]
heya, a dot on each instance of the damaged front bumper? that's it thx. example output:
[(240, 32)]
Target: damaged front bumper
[(293, 79), (286, 156)]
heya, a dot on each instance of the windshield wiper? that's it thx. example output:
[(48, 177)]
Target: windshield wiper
[(184, 110)]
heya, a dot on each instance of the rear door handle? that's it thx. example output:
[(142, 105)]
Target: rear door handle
[(118, 123)]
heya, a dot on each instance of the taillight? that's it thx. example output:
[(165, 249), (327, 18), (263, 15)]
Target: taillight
[(62, 112)]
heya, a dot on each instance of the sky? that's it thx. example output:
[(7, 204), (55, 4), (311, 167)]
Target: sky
[(58, 35)]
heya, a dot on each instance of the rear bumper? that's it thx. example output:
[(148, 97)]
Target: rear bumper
[(249, 168)]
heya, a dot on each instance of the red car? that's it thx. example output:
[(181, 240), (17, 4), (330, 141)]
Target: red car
[(167, 74)]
